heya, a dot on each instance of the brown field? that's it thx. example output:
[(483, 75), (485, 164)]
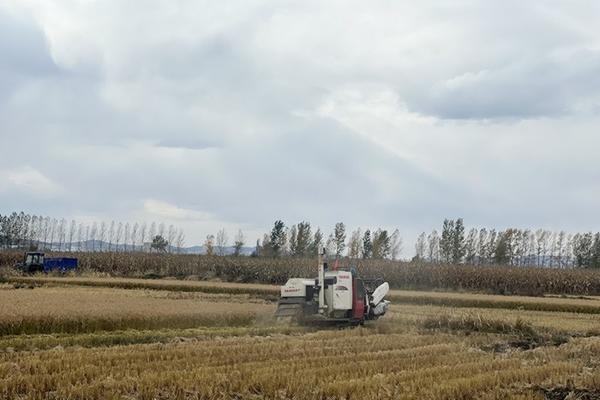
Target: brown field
[(81, 309), (69, 340), (158, 284), (578, 304)]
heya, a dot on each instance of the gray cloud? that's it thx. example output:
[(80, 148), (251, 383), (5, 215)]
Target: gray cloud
[(384, 114)]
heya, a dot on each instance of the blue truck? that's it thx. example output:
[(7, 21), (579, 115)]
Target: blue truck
[(36, 262)]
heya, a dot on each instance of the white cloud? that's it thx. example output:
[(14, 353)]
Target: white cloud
[(162, 209), (238, 113), (29, 180)]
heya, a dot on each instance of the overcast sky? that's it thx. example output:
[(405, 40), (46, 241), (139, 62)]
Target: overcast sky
[(236, 113)]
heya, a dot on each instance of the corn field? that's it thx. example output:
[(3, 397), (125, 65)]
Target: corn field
[(499, 280)]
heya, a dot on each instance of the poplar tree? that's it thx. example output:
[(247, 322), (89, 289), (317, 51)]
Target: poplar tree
[(303, 239), (367, 251), (471, 247), (381, 244), (446, 240), (278, 238), (317, 243), (339, 239), (458, 241), (595, 253)]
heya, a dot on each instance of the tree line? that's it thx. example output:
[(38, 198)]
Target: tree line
[(299, 240), (455, 245), (36, 232), (515, 247)]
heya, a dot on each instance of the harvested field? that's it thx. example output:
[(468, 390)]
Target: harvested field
[(348, 364), (72, 339)]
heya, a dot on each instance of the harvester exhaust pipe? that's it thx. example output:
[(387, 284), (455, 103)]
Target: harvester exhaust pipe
[(322, 305)]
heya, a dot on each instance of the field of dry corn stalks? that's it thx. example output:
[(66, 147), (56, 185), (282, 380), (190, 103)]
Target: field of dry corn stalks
[(401, 275), (103, 338)]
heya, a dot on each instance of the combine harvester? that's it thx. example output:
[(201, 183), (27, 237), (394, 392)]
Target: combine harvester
[(334, 297)]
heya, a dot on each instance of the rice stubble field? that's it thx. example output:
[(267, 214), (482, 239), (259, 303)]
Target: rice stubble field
[(103, 341)]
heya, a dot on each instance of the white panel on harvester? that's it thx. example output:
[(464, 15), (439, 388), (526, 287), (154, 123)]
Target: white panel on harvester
[(380, 292)]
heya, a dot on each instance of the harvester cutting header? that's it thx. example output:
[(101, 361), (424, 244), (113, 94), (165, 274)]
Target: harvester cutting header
[(335, 296)]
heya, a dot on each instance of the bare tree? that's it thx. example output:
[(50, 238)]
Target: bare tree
[(420, 246), (53, 229), (209, 245), (569, 259), (395, 245), (221, 242), (142, 236), (525, 247), (561, 242), (80, 236), (40, 231), (545, 246), (87, 237), (46, 229), (118, 235), (171, 235), (72, 229), (152, 231), (93, 233), (554, 249), (539, 241), (102, 235), (111, 235), (433, 247), (126, 236), (32, 230), (61, 233), (490, 247), (180, 240)]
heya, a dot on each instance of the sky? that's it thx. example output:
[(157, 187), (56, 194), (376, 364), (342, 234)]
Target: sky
[(391, 114)]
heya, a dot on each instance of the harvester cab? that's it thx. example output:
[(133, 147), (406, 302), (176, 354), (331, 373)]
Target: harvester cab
[(335, 296)]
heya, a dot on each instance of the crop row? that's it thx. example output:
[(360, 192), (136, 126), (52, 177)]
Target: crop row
[(352, 364)]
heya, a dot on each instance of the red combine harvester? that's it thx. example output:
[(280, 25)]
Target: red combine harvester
[(338, 296)]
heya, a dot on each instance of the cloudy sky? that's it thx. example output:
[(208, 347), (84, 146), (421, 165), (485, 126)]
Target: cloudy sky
[(236, 113)]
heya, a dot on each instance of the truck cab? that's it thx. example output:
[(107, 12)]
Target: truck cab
[(33, 262)]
